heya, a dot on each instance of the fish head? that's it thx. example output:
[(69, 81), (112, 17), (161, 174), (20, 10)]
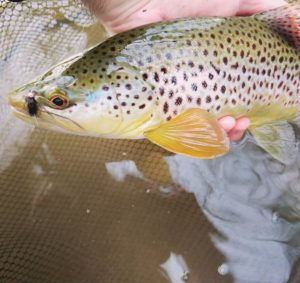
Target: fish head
[(116, 108), (46, 102)]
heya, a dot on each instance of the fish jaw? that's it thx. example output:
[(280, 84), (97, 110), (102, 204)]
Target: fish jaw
[(17, 101), (19, 107)]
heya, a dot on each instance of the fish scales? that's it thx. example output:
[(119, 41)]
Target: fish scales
[(171, 81), (213, 64)]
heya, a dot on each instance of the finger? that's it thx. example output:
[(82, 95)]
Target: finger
[(227, 123), (238, 131), (242, 124), (235, 135)]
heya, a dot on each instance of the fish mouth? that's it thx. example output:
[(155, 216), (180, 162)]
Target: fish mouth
[(23, 115), (19, 107), (15, 102), (46, 120)]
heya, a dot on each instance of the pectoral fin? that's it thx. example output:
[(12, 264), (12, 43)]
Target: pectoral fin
[(193, 133), (278, 139)]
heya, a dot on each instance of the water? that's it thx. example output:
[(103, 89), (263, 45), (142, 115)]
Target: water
[(76, 209)]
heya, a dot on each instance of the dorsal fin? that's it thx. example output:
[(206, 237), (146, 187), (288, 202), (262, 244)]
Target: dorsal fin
[(286, 21)]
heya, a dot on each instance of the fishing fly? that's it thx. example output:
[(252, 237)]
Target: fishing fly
[(31, 104)]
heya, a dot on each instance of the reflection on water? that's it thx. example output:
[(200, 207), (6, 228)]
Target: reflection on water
[(175, 269), (76, 209), (82, 209), (253, 202)]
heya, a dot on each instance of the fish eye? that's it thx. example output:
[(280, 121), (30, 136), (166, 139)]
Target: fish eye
[(59, 100)]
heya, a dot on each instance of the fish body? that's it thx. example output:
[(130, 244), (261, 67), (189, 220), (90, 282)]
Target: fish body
[(170, 82)]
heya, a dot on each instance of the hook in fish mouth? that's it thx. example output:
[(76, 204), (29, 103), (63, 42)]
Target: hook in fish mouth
[(31, 103)]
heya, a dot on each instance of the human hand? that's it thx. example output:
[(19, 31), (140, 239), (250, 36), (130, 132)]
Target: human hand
[(121, 15)]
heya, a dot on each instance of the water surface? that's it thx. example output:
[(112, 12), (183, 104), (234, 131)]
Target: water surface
[(76, 209)]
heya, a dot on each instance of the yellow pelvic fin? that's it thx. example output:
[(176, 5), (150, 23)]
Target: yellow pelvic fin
[(194, 133), (278, 139)]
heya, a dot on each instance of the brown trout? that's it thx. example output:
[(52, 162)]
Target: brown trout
[(170, 82)]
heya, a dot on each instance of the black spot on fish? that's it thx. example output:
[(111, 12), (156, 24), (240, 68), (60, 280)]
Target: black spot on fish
[(208, 99), (149, 59), (185, 77), (191, 64), (164, 70), (215, 68), (166, 107), (235, 66), (178, 101), (161, 91), (194, 87), (174, 80)]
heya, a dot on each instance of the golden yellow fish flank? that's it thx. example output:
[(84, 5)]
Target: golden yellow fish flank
[(170, 82)]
